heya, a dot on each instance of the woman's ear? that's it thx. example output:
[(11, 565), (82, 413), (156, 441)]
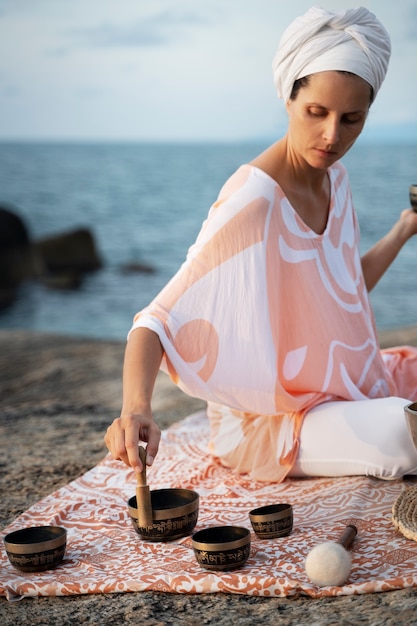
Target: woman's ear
[(288, 106)]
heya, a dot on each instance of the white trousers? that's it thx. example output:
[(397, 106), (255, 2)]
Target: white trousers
[(349, 438)]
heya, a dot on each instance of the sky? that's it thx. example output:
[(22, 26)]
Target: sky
[(171, 70)]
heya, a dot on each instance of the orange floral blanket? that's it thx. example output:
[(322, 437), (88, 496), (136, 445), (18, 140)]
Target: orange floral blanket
[(105, 555)]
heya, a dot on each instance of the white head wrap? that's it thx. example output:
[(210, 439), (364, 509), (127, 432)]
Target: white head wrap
[(353, 41)]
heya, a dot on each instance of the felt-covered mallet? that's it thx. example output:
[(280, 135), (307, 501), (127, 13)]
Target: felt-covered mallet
[(143, 495), (328, 564)]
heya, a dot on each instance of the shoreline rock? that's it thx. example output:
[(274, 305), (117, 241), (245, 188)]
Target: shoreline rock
[(22, 258)]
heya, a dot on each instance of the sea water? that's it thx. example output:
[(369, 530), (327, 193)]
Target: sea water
[(145, 203)]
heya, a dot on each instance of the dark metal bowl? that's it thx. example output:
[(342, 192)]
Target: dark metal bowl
[(272, 520), (222, 547), (413, 196), (174, 512), (36, 548), (410, 411)]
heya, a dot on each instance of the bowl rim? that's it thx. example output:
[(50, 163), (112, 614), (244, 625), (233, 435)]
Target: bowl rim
[(213, 546), (14, 546), (271, 512), (169, 513)]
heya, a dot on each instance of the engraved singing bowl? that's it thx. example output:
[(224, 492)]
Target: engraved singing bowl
[(272, 520), (221, 547), (410, 411), (413, 197), (37, 548), (174, 513)]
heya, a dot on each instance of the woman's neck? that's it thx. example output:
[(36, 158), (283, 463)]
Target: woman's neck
[(307, 189)]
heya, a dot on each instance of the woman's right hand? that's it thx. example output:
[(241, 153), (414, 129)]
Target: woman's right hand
[(124, 435), (142, 359)]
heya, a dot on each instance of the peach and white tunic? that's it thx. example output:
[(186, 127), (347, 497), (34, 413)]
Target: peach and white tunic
[(266, 319)]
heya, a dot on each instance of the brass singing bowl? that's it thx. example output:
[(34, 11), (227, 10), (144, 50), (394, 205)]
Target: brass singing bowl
[(410, 411), (174, 514), (222, 547), (413, 196), (272, 520), (36, 548)]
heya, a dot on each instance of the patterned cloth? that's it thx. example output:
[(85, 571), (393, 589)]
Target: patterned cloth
[(267, 319), (105, 555)]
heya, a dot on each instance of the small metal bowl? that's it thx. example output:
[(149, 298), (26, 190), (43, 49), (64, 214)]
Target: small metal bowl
[(413, 197), (174, 512), (410, 411), (222, 547), (37, 548), (272, 520)]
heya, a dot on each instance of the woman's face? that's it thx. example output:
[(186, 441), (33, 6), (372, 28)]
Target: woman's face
[(326, 117)]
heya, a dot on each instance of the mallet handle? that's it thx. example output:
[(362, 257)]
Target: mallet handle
[(348, 536)]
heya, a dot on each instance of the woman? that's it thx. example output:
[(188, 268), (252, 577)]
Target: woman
[(269, 318)]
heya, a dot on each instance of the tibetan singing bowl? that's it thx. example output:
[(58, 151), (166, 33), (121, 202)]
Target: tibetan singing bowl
[(410, 411), (272, 520), (413, 197), (174, 513), (222, 547), (37, 548)]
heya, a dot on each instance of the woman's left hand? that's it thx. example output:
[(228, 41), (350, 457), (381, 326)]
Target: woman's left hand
[(408, 220)]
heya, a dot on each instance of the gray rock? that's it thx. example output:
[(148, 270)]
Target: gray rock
[(71, 251)]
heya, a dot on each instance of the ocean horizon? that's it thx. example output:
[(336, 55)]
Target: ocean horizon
[(145, 203)]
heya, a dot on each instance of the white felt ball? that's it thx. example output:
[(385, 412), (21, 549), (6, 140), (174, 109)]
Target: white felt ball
[(328, 565)]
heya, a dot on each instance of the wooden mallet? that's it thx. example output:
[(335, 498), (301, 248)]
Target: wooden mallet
[(143, 495)]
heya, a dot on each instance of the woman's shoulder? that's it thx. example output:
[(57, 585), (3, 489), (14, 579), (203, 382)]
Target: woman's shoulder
[(246, 191), (247, 179)]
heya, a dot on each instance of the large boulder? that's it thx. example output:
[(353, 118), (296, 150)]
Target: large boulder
[(67, 257), (58, 260), (13, 231), (18, 258), (74, 251)]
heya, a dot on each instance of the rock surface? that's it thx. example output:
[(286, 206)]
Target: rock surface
[(57, 396)]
